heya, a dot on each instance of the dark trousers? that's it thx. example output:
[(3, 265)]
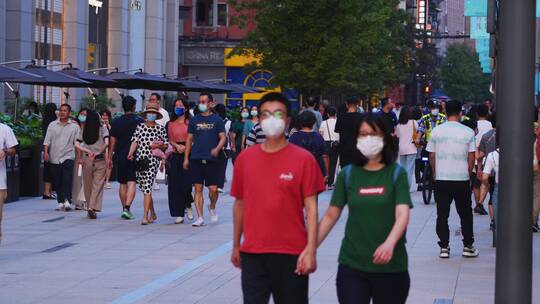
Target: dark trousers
[(460, 192), (333, 157), (62, 180), (358, 287), (223, 162), (272, 274), (179, 186)]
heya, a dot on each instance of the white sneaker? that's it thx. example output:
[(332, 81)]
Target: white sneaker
[(190, 214), (156, 187), (179, 220), (198, 223), (219, 190), (59, 207), (213, 215), (67, 206)]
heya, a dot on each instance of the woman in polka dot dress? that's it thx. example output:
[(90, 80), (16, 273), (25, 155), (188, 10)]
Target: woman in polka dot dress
[(147, 137)]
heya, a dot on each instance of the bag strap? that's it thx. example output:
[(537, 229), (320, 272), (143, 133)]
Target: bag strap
[(328, 128)]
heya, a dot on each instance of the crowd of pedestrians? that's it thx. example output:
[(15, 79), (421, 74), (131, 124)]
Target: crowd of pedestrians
[(282, 162)]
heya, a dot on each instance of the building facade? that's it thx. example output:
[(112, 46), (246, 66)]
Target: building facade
[(89, 34)]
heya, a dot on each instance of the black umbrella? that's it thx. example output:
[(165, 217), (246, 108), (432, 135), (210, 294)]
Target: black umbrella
[(141, 80), (96, 81), (8, 74), (54, 79), (238, 88), (200, 86)]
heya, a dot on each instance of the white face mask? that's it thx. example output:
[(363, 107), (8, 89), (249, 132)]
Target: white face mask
[(370, 146), (273, 127), (435, 112)]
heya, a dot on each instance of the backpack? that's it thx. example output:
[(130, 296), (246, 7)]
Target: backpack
[(348, 168)]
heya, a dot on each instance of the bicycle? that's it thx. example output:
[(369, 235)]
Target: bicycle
[(427, 181)]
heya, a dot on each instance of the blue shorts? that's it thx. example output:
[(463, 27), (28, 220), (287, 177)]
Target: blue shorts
[(204, 172)]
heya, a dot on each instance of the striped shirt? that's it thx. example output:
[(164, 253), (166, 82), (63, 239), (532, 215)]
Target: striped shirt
[(256, 136)]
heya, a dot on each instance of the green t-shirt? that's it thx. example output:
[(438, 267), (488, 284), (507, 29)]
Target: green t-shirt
[(372, 197)]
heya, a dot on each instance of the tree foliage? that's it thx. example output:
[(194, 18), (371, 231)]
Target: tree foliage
[(461, 74), (328, 46)]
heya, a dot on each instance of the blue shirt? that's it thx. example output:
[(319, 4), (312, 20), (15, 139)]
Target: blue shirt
[(314, 143), (205, 131), (122, 129)]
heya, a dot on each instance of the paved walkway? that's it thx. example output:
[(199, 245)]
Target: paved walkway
[(56, 257)]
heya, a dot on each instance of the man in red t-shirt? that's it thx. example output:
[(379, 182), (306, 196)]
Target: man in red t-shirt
[(273, 183)]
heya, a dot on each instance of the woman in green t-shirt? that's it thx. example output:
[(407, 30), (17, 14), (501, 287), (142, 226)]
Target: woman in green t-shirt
[(373, 258)]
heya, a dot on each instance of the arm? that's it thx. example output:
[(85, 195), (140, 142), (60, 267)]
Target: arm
[(232, 136), (326, 161), (307, 261), (432, 162), (46, 153), (471, 162), (132, 149), (383, 254), (238, 220), (328, 222), (189, 143)]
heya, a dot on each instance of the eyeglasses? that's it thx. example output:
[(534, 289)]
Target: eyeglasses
[(277, 114)]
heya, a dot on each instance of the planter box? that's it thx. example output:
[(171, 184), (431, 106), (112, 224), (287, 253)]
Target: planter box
[(13, 178), (31, 171)]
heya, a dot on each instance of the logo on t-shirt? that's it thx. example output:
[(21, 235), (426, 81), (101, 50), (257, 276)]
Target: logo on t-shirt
[(379, 190), (286, 176), (205, 126)]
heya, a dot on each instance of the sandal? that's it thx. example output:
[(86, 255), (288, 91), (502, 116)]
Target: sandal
[(144, 222)]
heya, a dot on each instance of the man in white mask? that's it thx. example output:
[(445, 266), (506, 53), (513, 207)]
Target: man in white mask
[(275, 234)]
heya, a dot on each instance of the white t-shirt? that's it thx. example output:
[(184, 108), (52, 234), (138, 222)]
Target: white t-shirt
[(405, 135), (165, 119), (7, 140), (451, 142), (483, 127), (329, 125), (228, 124), (492, 164)]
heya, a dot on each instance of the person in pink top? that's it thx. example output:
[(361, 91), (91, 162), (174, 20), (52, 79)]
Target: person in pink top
[(405, 131)]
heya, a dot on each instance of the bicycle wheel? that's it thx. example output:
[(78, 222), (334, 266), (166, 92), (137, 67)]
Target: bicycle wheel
[(427, 184)]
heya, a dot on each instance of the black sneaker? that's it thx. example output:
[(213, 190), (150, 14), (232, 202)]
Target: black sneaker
[(445, 253), (470, 252), (92, 214), (480, 210), (535, 228)]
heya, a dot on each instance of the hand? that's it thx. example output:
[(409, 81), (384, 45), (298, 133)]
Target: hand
[(91, 156), (46, 156), (186, 164), (180, 149), (80, 161), (235, 258), (384, 253), (2, 154), (233, 149), (479, 174), (214, 152), (110, 164), (130, 157), (307, 262), (155, 145)]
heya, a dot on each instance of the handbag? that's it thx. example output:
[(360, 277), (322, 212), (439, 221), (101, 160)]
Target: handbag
[(333, 143), (142, 165)]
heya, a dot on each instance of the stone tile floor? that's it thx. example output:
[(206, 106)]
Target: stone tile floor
[(56, 257)]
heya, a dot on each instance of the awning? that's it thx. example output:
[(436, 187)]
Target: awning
[(96, 81), (8, 74), (53, 79)]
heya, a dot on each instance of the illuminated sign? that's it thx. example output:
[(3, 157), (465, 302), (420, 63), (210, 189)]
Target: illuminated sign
[(421, 14)]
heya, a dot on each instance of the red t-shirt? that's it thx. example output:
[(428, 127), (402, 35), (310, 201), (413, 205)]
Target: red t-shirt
[(273, 187)]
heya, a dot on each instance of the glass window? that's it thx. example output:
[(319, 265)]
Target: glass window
[(204, 13), (222, 14)]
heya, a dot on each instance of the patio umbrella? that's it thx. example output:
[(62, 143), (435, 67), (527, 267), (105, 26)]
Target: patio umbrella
[(96, 81), (141, 80), (54, 79), (8, 74), (201, 86)]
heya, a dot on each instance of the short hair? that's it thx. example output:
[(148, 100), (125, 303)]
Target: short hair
[(207, 94), (453, 107), (482, 110), (389, 154), (312, 101), (65, 105), (128, 103), (105, 111), (384, 101), (306, 119), (157, 95), (331, 111), (221, 110), (352, 101), (274, 96)]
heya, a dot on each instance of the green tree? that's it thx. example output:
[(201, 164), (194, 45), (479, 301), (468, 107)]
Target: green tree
[(327, 46), (461, 75)]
